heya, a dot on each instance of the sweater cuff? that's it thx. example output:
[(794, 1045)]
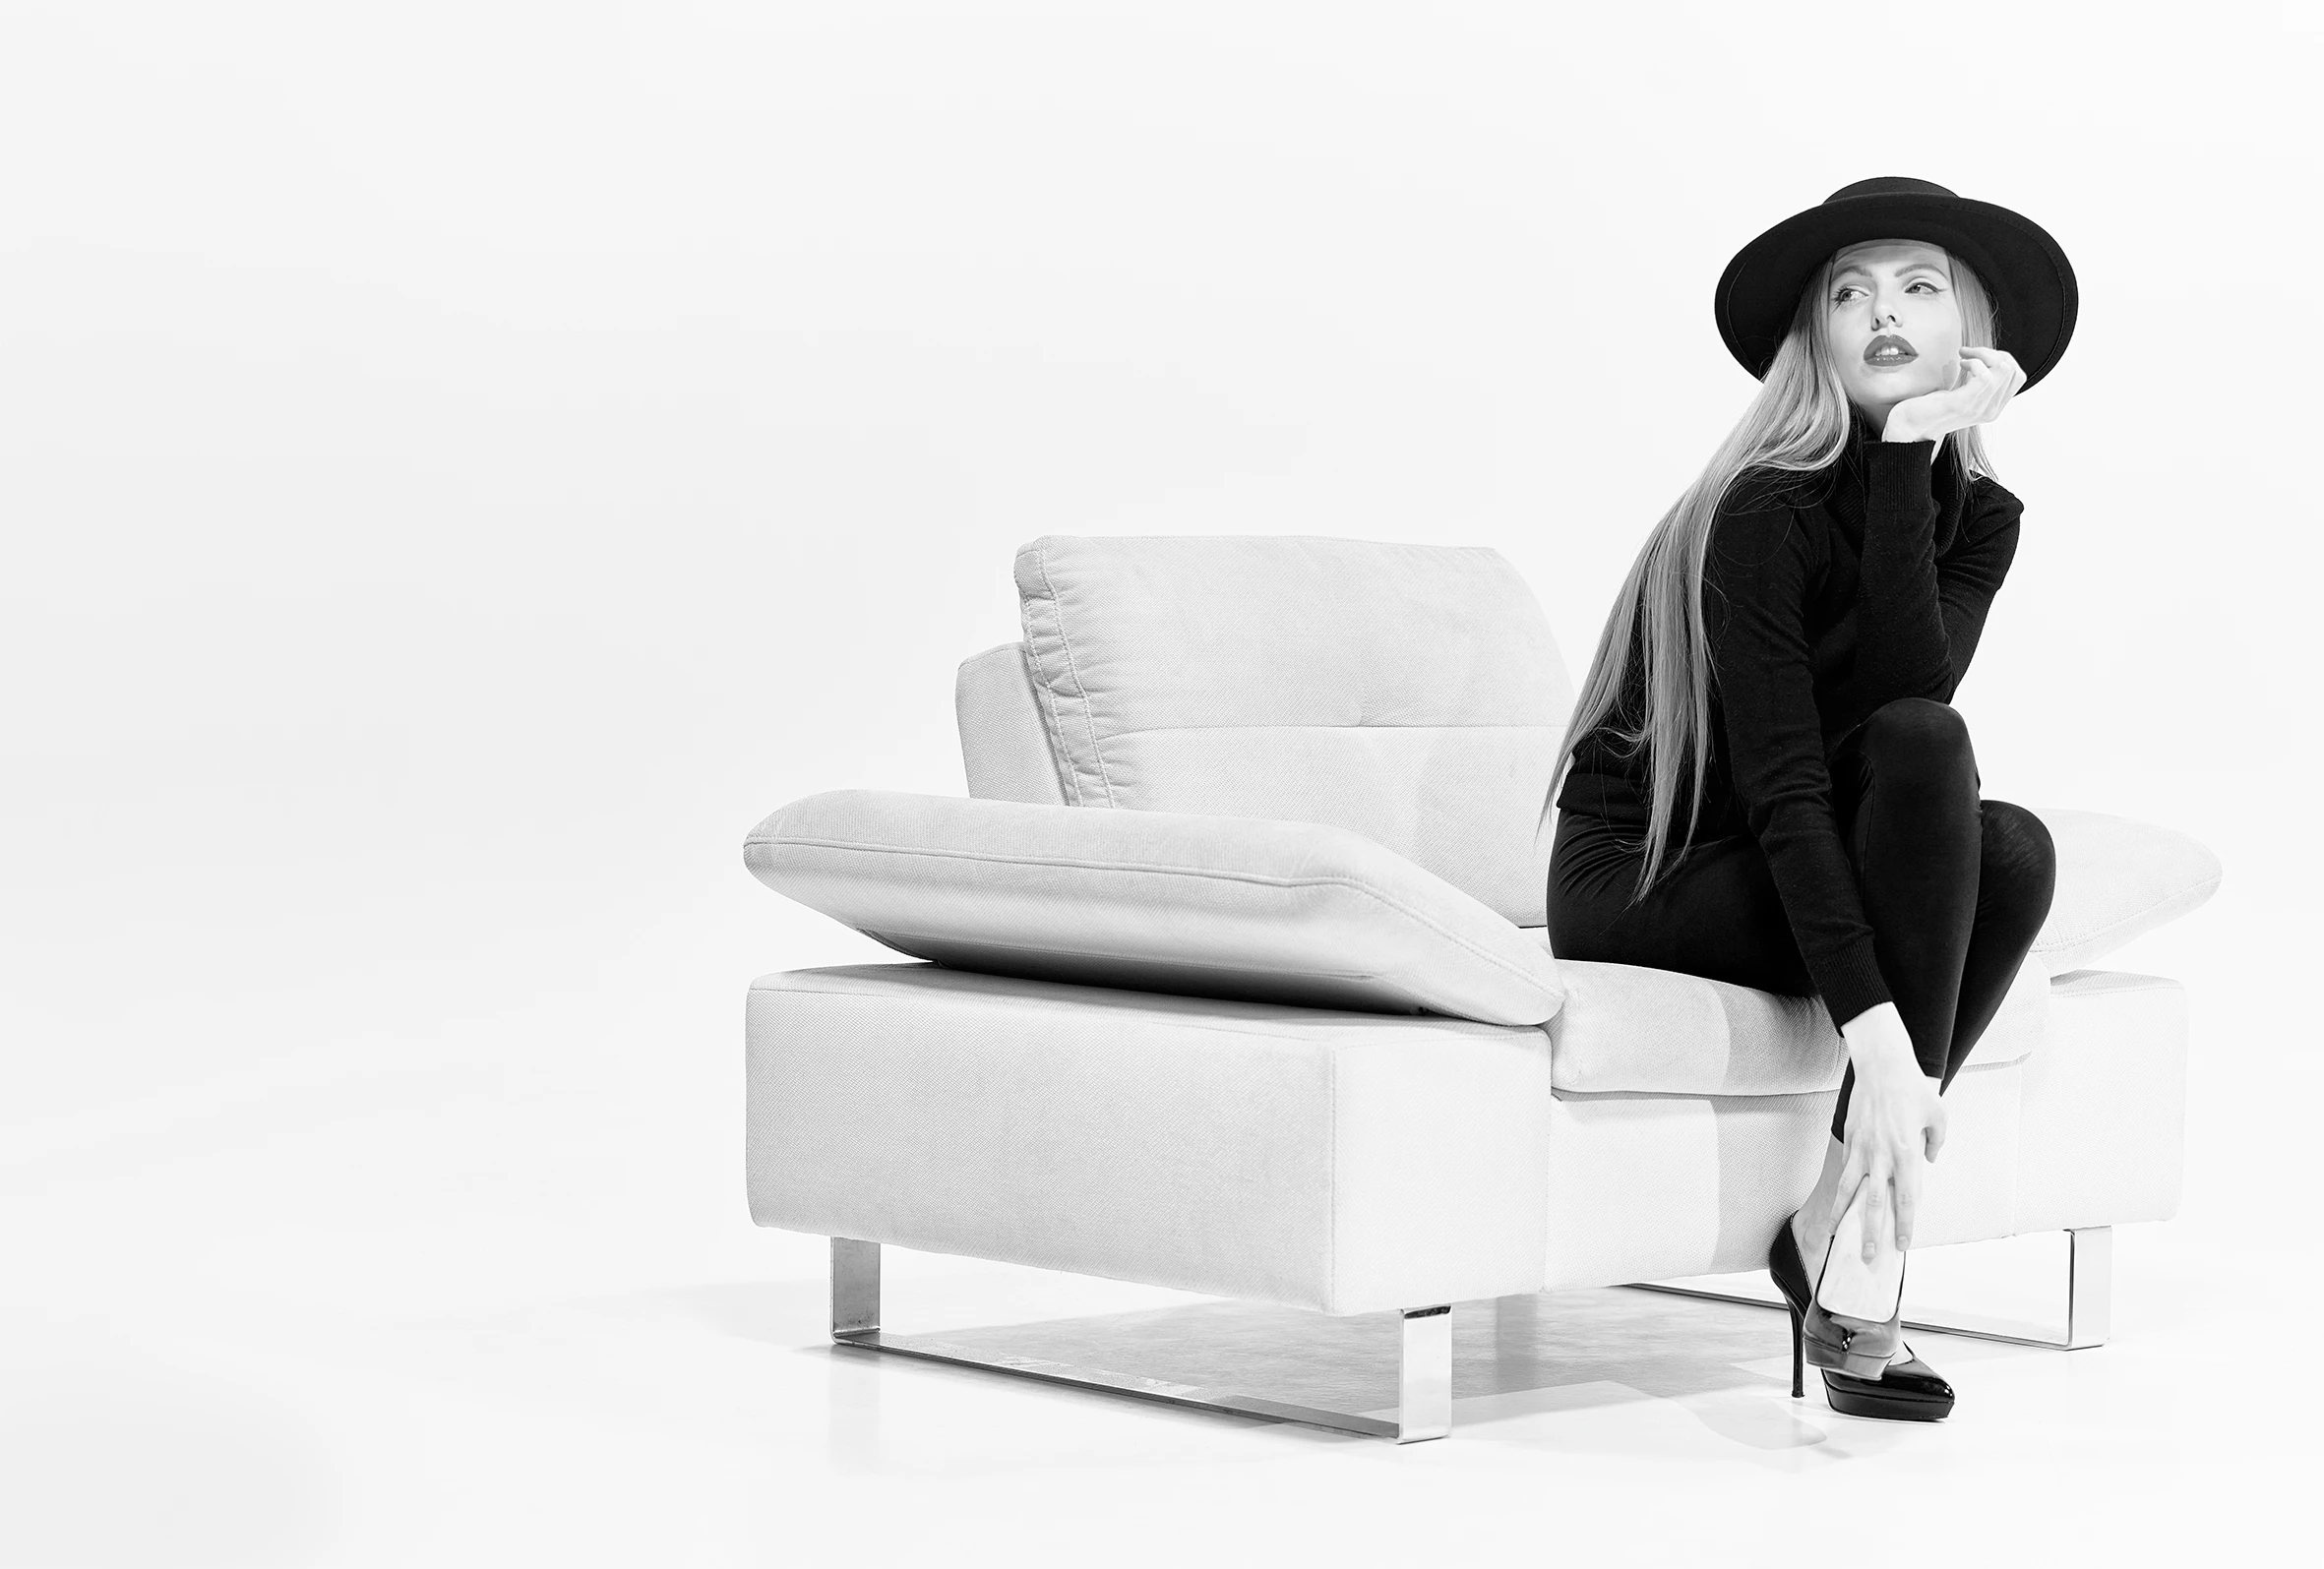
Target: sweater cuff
[(1913, 463), (1851, 982)]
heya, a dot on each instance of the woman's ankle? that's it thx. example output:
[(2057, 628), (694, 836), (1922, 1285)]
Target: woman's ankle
[(1819, 1215), (1811, 1241)]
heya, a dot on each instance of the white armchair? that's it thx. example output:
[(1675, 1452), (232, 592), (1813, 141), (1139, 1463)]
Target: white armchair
[(1237, 981)]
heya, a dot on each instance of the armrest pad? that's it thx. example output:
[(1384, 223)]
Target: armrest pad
[(2117, 877), (1253, 908)]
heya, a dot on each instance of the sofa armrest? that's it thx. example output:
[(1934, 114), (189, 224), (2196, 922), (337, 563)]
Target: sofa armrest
[(1251, 908), (2117, 878)]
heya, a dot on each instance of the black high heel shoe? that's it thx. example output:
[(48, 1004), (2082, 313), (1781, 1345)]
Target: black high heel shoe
[(1906, 1391)]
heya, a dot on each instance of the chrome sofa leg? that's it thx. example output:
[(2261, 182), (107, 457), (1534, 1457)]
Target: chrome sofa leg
[(2090, 1297), (1423, 1379), (1424, 1383), (855, 1286), (2090, 1286)]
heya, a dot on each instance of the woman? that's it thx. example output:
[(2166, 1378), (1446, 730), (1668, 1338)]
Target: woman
[(1782, 657)]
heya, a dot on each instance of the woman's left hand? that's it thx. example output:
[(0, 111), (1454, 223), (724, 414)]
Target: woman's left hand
[(1989, 379)]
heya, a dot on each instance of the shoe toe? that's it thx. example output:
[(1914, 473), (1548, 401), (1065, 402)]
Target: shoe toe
[(1917, 1377)]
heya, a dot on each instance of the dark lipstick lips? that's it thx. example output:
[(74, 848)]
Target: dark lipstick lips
[(1873, 356)]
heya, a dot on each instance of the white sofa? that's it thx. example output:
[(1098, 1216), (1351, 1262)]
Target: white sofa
[(1231, 977)]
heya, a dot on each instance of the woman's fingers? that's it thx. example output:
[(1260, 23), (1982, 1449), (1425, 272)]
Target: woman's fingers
[(1851, 1177), (1908, 1201), (1877, 1190), (1985, 387), (2000, 367)]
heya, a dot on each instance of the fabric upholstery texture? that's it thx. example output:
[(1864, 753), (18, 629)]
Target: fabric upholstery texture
[(2105, 1128), (1343, 1161), (2116, 879), (1412, 693), (1658, 1186), (1235, 907), (1401, 1161), (2088, 1129), (1004, 749), (1626, 1027)]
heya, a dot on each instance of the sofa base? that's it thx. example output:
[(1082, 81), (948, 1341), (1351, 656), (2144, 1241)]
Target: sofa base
[(2090, 1297), (1424, 1407)]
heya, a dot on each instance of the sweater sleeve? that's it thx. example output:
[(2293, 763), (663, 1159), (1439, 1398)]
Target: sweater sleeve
[(1968, 579), (1918, 623), (1757, 572)]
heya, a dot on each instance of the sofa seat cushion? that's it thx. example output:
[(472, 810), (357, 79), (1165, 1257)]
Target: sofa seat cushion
[(1628, 1028)]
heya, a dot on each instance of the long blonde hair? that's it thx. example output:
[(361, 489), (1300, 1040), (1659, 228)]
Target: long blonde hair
[(1797, 424)]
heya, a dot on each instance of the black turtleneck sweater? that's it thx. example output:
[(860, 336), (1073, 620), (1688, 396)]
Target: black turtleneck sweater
[(1824, 597)]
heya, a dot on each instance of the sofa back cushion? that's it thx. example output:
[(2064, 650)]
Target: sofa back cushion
[(1410, 693), (1004, 750)]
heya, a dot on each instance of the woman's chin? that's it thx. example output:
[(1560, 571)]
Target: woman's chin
[(1881, 388)]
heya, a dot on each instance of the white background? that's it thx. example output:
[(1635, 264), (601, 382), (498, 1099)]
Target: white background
[(462, 465)]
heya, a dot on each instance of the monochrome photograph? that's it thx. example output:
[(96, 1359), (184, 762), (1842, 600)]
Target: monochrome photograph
[(1091, 782)]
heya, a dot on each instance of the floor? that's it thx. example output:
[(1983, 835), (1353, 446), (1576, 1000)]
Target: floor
[(488, 1296)]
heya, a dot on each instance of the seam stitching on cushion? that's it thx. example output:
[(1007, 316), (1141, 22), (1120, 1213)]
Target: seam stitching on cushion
[(1419, 917), (1065, 644), (1053, 734), (1060, 756)]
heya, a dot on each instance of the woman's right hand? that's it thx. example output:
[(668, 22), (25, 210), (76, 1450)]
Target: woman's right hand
[(1896, 1124), (1983, 386)]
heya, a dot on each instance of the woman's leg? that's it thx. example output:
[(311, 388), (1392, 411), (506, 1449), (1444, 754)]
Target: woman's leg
[(1904, 789), (2016, 880), (1956, 888)]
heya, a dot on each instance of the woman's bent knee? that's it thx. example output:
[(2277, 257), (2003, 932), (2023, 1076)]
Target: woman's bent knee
[(2019, 848), (1919, 721), (1922, 739)]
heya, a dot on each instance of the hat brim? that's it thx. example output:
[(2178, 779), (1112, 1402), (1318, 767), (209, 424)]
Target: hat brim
[(2024, 269)]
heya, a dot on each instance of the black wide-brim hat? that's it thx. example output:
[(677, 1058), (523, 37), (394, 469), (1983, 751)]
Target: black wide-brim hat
[(2027, 274)]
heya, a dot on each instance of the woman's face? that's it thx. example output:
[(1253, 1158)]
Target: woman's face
[(1892, 323)]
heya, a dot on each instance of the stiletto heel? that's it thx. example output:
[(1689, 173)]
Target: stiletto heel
[(1799, 1371), (1906, 1391)]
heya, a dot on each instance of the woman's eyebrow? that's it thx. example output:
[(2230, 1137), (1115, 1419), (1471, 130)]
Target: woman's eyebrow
[(1909, 266)]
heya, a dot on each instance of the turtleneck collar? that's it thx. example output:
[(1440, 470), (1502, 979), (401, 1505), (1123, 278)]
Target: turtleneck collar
[(1852, 474)]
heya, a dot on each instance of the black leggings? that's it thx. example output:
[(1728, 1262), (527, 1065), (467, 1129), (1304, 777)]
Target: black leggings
[(1955, 887)]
